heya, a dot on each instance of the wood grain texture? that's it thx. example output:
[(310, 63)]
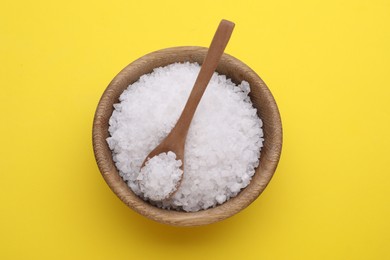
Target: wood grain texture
[(236, 70)]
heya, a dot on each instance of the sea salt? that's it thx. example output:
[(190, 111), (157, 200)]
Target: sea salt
[(160, 176), (223, 143)]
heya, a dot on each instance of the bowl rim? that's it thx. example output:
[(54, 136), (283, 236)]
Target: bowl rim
[(110, 174)]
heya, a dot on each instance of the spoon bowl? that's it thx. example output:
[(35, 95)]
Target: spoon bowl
[(233, 68)]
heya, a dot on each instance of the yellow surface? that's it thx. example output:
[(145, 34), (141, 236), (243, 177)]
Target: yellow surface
[(327, 64)]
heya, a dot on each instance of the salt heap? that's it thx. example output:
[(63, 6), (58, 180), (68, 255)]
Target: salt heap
[(160, 176), (223, 143)]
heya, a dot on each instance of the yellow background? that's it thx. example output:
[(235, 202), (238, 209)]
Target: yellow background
[(327, 64)]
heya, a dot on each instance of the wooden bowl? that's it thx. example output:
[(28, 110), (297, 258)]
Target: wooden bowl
[(236, 70)]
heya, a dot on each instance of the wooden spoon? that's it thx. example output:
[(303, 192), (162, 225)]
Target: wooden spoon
[(175, 140)]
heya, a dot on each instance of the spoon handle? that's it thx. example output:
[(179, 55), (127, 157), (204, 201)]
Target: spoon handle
[(210, 63)]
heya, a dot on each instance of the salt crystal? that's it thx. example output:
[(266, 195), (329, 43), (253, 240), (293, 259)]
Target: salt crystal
[(220, 198)]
